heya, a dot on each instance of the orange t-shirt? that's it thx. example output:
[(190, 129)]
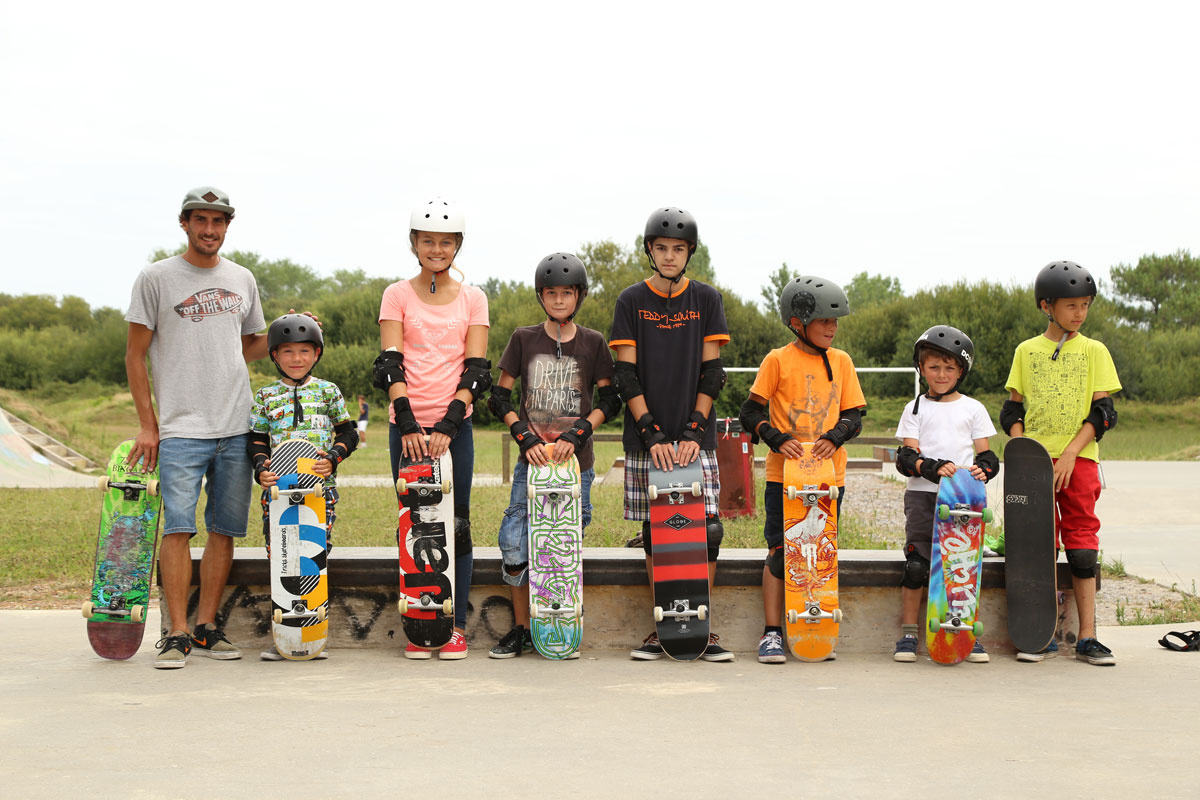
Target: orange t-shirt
[(803, 401)]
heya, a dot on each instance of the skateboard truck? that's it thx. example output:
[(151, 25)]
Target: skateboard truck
[(425, 603), (130, 489), (955, 625), (945, 512), (676, 491), (422, 488), (136, 613), (680, 610), (297, 494), (553, 492), (813, 613), (299, 611), (555, 609), (811, 495)]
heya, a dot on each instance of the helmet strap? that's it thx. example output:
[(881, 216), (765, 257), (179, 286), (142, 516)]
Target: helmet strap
[(821, 351)]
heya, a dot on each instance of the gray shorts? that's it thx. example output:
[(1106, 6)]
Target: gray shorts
[(919, 508)]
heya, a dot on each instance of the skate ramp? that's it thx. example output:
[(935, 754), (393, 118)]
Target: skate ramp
[(22, 467)]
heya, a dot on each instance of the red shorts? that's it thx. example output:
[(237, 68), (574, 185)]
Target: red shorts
[(1075, 522)]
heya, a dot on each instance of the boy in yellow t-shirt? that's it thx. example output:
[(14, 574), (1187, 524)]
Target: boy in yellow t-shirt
[(814, 396)]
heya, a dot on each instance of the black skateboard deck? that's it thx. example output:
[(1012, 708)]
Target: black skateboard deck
[(679, 546), (1029, 547)]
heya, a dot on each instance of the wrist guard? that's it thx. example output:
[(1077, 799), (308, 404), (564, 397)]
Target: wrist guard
[(989, 463), (405, 420), (260, 466), (930, 467), (649, 431), (775, 438), (697, 424), (849, 426), (523, 436), (456, 412), (579, 432)]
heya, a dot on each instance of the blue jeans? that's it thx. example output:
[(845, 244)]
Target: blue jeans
[(514, 528), (462, 453), (184, 463)]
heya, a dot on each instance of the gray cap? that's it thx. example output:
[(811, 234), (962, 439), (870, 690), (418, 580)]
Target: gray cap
[(208, 197)]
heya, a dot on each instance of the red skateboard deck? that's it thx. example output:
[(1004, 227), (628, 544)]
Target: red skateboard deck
[(426, 536), (679, 547)]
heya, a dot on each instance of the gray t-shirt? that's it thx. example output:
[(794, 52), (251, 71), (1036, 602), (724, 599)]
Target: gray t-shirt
[(198, 317)]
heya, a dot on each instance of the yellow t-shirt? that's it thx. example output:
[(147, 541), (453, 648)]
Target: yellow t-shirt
[(803, 401), (1058, 394)]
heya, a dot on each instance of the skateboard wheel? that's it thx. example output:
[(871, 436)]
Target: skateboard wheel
[(152, 488), (791, 493), (534, 613), (102, 483), (696, 489), (792, 616), (837, 614), (274, 492), (89, 608), (137, 613), (401, 486), (576, 492), (447, 486), (321, 614), (448, 608), (277, 616), (652, 492), (977, 629), (530, 492), (934, 624), (658, 612), (403, 605), (702, 612), (943, 512), (987, 515)]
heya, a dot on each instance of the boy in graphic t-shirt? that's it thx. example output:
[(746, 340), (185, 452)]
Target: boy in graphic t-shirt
[(558, 364)]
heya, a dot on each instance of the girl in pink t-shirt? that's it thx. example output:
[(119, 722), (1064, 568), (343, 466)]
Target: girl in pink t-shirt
[(438, 328)]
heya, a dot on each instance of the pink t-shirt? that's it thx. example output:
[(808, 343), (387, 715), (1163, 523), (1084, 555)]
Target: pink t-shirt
[(435, 344)]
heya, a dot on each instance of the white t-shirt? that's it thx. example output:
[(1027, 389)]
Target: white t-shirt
[(945, 430)]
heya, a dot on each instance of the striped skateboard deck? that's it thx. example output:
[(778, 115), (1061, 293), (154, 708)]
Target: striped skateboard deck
[(679, 547)]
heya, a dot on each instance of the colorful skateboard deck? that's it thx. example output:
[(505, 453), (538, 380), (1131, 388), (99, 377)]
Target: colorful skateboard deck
[(116, 610), (298, 555), (956, 568), (1029, 547), (810, 556), (426, 532), (555, 558), (679, 547)]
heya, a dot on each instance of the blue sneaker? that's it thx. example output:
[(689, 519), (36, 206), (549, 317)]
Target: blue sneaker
[(978, 655), (770, 649), (1091, 651), (906, 649), (1049, 652)]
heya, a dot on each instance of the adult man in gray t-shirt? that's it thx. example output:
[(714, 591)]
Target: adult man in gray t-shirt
[(198, 318)]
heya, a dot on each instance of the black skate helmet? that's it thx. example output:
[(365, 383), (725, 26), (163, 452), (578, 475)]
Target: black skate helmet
[(561, 269), (1062, 279)]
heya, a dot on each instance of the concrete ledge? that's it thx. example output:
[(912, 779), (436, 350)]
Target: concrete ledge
[(364, 591)]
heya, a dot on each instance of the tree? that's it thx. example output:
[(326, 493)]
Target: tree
[(865, 291), (775, 283), (1161, 291)]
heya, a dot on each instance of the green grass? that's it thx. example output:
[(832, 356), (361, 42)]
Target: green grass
[(1178, 607)]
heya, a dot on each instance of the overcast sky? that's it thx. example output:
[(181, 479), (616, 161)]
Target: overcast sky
[(916, 140)]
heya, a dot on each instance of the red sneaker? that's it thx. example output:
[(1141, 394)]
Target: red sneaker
[(416, 653), (455, 648)]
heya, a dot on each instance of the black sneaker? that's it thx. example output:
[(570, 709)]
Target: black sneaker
[(516, 642), (906, 649), (650, 650), (1091, 651), (173, 651), (209, 640), (714, 651)]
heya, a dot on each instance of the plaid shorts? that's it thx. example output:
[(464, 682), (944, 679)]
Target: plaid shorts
[(637, 478)]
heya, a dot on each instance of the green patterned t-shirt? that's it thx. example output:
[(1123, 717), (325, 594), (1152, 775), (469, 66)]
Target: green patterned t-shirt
[(273, 413)]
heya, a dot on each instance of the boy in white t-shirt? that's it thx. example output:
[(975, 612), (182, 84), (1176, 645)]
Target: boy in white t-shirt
[(936, 438)]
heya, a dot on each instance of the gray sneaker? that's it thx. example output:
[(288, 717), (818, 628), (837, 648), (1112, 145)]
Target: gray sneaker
[(173, 651), (209, 640), (1049, 652), (1091, 651)]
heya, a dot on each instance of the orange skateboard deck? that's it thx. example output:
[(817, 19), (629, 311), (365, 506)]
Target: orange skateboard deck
[(810, 557)]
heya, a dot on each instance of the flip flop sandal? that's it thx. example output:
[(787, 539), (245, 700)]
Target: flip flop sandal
[(1188, 640)]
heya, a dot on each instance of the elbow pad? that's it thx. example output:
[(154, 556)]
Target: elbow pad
[(500, 403), (1103, 416), (476, 377), (627, 380), (712, 378), (751, 415), (906, 461), (1011, 413), (388, 369), (989, 463), (608, 400)]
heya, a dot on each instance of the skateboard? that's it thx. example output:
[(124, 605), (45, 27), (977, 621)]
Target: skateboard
[(679, 547), (116, 610), (426, 536), (1029, 546), (555, 558), (956, 568), (810, 557), (298, 555)]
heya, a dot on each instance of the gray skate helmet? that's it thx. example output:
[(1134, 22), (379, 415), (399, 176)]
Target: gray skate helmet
[(808, 297), (1062, 279), (561, 269)]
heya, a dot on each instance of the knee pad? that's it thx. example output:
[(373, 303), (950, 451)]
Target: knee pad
[(515, 574), (916, 571), (1083, 563), (646, 536), (462, 537), (774, 561), (715, 532)]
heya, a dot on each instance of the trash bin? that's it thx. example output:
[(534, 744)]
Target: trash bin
[(735, 460)]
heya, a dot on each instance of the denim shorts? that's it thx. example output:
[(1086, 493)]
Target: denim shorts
[(514, 533), (223, 466), (773, 512)]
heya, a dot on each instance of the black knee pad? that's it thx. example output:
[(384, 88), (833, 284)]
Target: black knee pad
[(715, 532), (516, 569), (462, 537), (1083, 563), (774, 561), (916, 571), (646, 536)]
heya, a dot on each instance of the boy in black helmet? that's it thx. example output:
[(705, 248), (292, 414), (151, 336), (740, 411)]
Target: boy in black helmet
[(937, 436), (1060, 386), (667, 333), (558, 364), (814, 396), (299, 406)]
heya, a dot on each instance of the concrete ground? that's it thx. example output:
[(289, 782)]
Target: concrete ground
[(368, 723)]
